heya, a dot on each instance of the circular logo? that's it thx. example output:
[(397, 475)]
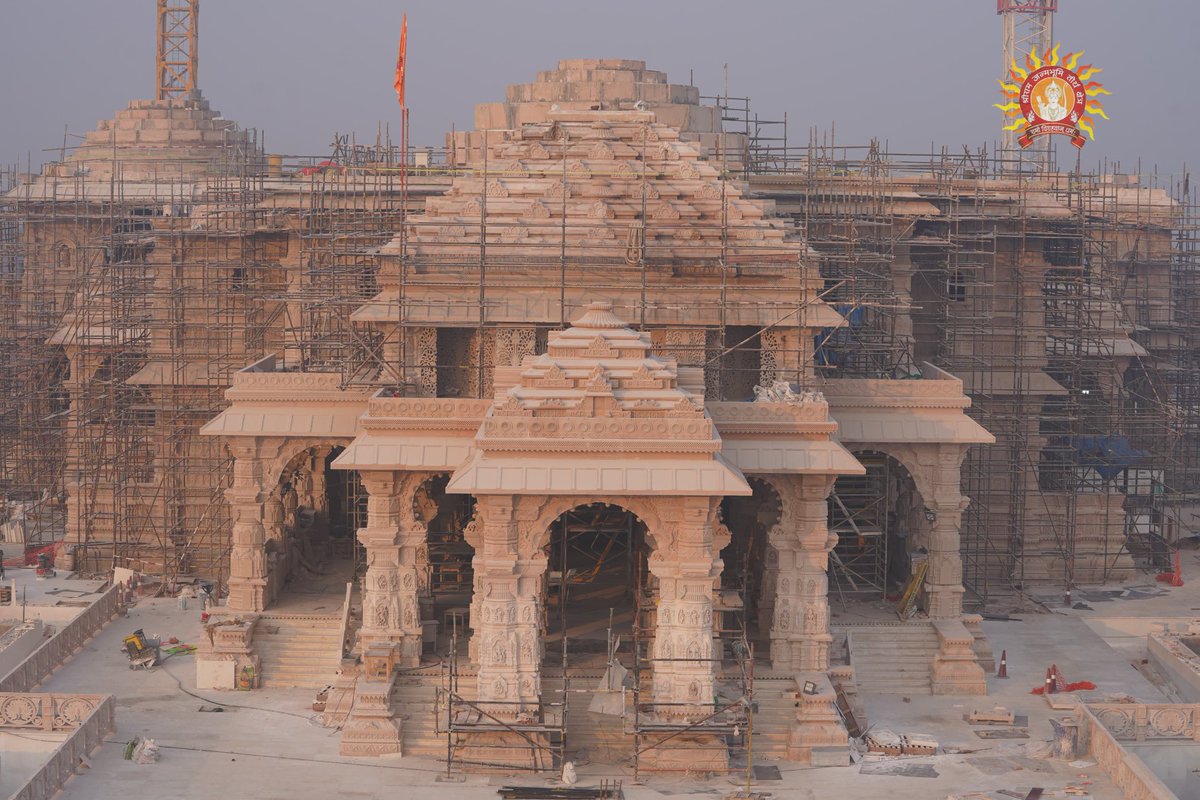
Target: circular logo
[(1052, 100)]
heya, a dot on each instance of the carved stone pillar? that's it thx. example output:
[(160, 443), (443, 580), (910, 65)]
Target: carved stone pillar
[(685, 561), (275, 545), (248, 561), (768, 586), (391, 538), (687, 541), (800, 635), (505, 612), (318, 481), (943, 584)]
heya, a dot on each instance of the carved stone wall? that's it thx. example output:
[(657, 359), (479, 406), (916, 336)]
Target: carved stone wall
[(685, 345), (422, 355)]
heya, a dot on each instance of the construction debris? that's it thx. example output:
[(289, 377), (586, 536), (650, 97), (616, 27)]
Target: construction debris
[(145, 752), (605, 791), (884, 741), (918, 744), (998, 715)]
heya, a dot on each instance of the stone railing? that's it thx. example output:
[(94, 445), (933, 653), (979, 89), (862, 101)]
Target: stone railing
[(46, 712), (1144, 722), (86, 719), (62, 645), (1171, 655), (1129, 773)]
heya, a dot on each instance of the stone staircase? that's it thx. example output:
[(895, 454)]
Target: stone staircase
[(298, 651), (775, 718), (591, 737), (414, 700), (893, 659)]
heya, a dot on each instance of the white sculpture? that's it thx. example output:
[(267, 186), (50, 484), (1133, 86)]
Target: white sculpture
[(781, 392)]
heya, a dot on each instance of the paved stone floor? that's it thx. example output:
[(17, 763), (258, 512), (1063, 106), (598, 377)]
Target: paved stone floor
[(266, 746)]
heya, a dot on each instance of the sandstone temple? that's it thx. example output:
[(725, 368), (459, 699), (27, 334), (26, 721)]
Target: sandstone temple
[(583, 427)]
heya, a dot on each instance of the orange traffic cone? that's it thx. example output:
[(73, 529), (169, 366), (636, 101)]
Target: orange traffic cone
[(1003, 671), (1049, 682)]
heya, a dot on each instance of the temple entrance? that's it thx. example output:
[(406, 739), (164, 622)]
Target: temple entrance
[(449, 556), (312, 519), (596, 565), (743, 578), (880, 524)]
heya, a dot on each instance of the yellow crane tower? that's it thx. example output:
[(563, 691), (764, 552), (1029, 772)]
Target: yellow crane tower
[(178, 32)]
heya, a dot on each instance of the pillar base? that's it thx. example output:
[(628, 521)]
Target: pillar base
[(955, 668), (686, 753), (339, 701), (247, 595), (225, 658), (818, 731), (503, 752), (371, 729)]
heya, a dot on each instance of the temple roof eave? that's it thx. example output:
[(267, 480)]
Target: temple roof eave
[(565, 475)]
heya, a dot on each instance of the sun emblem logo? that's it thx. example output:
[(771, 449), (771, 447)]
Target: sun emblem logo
[(1050, 97)]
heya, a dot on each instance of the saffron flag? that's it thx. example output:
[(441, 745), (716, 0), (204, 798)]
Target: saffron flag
[(400, 65)]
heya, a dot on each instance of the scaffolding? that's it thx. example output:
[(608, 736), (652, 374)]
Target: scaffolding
[(133, 290), (1065, 301)]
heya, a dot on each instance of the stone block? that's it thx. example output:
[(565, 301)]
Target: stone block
[(829, 756), (955, 668), (215, 674), (371, 729), (817, 724), (686, 754), (504, 752)]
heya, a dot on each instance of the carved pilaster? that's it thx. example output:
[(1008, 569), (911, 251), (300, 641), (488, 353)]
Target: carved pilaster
[(943, 584), (371, 729), (818, 726), (248, 561), (687, 568), (390, 588), (506, 613), (800, 635)]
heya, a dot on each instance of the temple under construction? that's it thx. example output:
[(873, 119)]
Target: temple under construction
[(620, 344)]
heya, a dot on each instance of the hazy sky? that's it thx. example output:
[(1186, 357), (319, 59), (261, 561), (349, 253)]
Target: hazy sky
[(911, 73)]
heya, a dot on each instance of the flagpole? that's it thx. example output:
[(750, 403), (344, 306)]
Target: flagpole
[(401, 74)]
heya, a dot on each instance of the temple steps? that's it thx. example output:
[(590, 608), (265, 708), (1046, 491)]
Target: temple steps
[(591, 737), (893, 659), (298, 652), (775, 718), (414, 700)]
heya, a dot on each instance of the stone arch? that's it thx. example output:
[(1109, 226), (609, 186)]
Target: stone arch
[(443, 520), (596, 545), (879, 520), (550, 508), (750, 560), (278, 454)]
